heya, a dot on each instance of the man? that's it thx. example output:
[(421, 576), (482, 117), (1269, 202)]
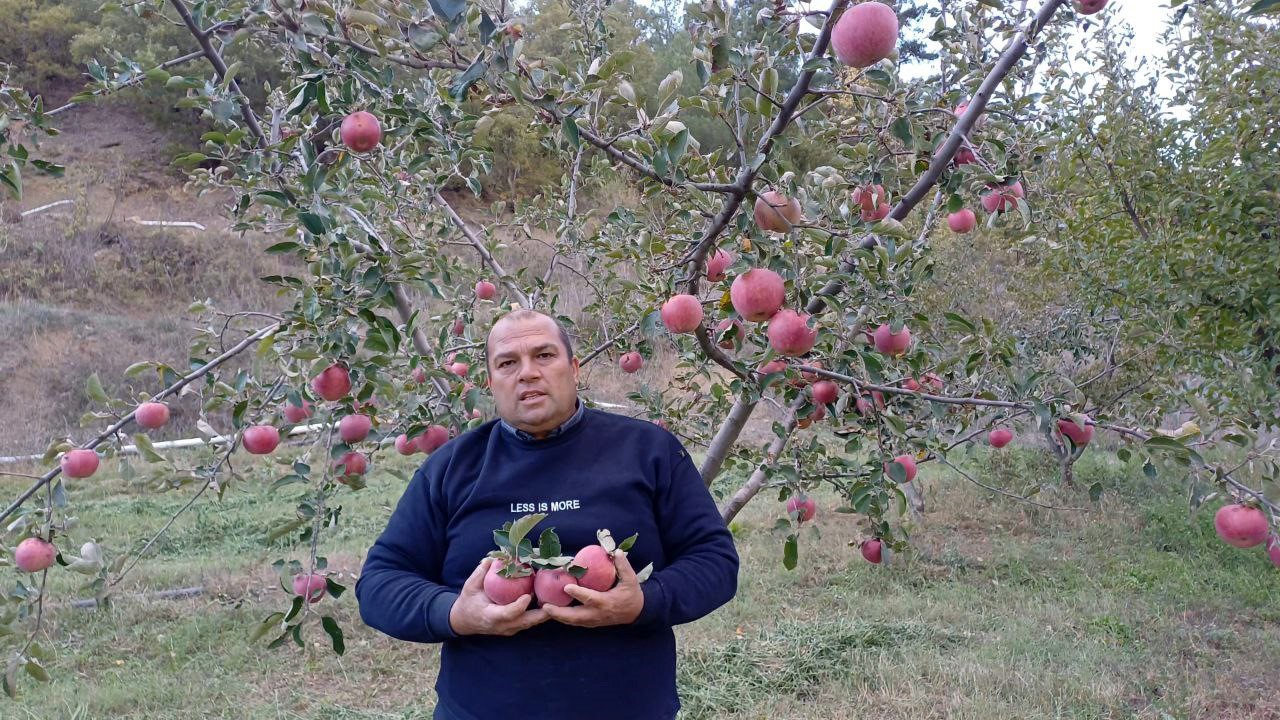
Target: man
[(612, 657)]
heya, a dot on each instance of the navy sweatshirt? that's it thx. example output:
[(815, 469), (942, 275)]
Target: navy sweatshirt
[(605, 471)]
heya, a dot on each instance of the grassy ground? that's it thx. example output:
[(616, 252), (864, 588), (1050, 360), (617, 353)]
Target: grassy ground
[(1002, 611)]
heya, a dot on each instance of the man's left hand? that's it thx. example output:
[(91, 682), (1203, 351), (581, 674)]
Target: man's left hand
[(619, 606)]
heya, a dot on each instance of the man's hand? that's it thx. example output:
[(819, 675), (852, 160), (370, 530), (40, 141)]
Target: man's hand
[(474, 614), (619, 606)]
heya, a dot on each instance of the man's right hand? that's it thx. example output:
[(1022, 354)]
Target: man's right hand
[(474, 614)]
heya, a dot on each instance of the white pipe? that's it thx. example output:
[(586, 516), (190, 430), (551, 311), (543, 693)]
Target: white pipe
[(42, 208)]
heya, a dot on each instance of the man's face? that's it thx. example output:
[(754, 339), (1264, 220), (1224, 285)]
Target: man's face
[(533, 381)]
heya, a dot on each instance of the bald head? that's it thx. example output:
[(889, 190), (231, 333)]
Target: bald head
[(521, 317)]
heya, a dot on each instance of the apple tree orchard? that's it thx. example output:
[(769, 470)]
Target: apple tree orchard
[(779, 287)]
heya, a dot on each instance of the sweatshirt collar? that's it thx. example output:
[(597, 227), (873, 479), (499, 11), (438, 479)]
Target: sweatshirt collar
[(573, 420)]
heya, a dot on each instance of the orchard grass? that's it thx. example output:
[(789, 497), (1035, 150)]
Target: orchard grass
[(1002, 610)]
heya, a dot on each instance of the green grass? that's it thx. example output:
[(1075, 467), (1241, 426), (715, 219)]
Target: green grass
[(1001, 610)]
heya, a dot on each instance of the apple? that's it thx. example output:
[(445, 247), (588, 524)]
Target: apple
[(965, 156), (891, 343), (871, 550), (34, 554), (865, 34), (1241, 525), (876, 215), (682, 314), (908, 464), (790, 334), (601, 572), (775, 212), (1000, 437), (310, 586), (350, 465), (825, 392), (354, 428), (548, 586), (871, 198), (863, 405), (459, 368), (419, 375), (1002, 198), (802, 506), (757, 294), (79, 463), (730, 343), (962, 221), (486, 290), (261, 439), (333, 383), (296, 414), (459, 327), (771, 367), (1079, 436), (717, 264), (1088, 7), (434, 437), (360, 131), (151, 415), (630, 362), (504, 590), (405, 446)]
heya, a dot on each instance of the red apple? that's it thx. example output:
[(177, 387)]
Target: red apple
[(730, 343), (486, 290), (351, 465), (965, 156), (360, 131), (1079, 436), (1002, 198), (871, 550), (871, 198), (863, 405), (630, 362), (775, 212), (908, 464), (601, 572), (459, 368), (1000, 437), (310, 586), (405, 446), (790, 334), (504, 590), (1241, 525), (548, 586), (717, 264), (354, 428), (773, 366), (151, 415), (825, 392), (891, 343), (333, 383), (261, 439), (1088, 7), (865, 34), (757, 294), (79, 463), (459, 327), (34, 554), (962, 221), (682, 314), (803, 506), (876, 215), (434, 437), (296, 414)]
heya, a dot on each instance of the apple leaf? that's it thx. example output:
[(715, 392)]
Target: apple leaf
[(93, 389), (644, 573), (521, 527), (335, 634), (606, 541), (548, 544), (897, 472), (625, 545), (450, 10), (1265, 6), (790, 552), (577, 571)]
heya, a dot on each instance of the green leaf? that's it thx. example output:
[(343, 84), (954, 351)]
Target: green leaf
[(312, 222), (36, 670), (625, 545), (521, 527), (1265, 6), (146, 449), (450, 10), (548, 544), (272, 622), (570, 128), (282, 248), (1095, 492), (468, 78), (790, 552), (93, 389), (335, 634)]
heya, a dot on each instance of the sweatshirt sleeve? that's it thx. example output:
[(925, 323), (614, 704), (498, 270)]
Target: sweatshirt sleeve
[(399, 589), (702, 563)]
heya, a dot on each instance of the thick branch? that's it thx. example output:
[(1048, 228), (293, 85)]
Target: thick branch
[(485, 255), (754, 483), (220, 67)]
